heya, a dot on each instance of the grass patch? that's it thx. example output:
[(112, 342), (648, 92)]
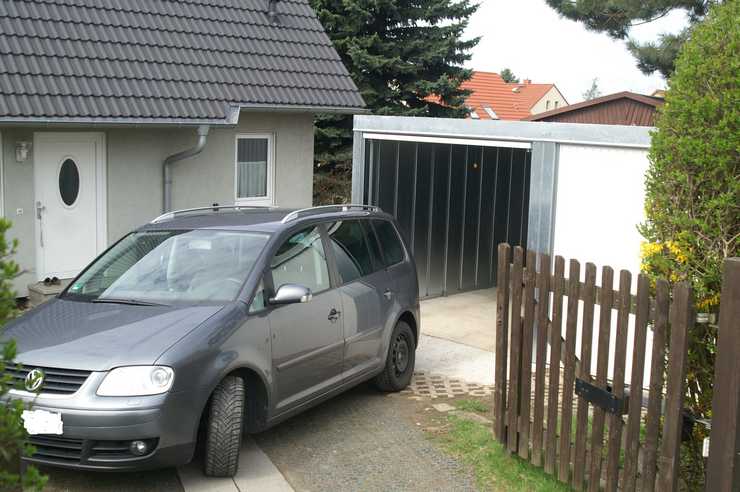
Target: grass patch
[(471, 406), (495, 469)]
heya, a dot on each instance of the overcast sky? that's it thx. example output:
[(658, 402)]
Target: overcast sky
[(530, 38)]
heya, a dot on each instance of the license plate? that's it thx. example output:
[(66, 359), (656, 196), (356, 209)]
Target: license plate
[(42, 422)]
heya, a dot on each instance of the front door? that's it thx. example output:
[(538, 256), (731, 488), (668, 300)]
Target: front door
[(69, 202), (307, 341)]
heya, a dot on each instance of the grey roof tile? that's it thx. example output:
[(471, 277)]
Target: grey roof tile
[(164, 59)]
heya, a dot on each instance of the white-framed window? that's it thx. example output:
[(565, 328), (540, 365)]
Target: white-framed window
[(254, 169)]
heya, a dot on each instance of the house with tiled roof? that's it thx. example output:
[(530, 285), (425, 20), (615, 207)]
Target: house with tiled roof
[(114, 111), (492, 98)]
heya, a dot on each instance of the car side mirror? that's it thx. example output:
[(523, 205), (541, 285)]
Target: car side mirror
[(291, 294)]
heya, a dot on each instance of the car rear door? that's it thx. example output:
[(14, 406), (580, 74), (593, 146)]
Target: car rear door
[(366, 293), (307, 339)]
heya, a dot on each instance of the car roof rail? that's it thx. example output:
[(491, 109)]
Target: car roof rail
[(347, 207), (214, 208)]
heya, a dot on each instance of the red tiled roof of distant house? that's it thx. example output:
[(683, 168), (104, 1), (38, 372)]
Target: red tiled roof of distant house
[(509, 101)]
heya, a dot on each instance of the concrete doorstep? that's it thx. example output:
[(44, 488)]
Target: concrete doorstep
[(256, 473)]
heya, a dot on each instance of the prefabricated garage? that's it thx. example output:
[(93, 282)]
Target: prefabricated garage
[(460, 187)]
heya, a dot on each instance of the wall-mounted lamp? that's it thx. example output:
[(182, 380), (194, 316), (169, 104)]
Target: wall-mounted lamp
[(21, 151)]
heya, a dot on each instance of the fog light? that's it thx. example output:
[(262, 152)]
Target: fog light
[(138, 448)]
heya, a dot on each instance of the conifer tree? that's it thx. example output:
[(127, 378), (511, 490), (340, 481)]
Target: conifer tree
[(399, 53)]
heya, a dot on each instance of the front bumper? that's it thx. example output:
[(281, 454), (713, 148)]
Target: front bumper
[(97, 430)]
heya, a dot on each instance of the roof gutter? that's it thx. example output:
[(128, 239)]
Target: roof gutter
[(170, 160)]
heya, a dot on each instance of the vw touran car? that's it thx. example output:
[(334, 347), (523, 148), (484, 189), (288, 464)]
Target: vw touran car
[(209, 323)]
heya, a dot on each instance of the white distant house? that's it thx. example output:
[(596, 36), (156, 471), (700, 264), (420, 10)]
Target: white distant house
[(109, 116)]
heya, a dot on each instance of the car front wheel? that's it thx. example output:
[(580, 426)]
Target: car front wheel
[(224, 428), (399, 365)]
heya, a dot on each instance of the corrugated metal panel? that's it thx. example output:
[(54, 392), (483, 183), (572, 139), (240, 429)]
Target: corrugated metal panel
[(454, 203), (168, 60)]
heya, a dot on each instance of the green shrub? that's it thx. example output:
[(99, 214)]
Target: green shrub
[(12, 432), (693, 188)]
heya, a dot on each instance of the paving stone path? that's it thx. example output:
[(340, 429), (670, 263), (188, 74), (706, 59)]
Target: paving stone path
[(362, 440)]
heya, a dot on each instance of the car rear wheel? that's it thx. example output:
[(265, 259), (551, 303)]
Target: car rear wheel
[(399, 365), (224, 428)]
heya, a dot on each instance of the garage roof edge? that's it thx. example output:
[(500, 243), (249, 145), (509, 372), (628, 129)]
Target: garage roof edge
[(523, 131)]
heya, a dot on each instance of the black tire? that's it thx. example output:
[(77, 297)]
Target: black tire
[(399, 364), (224, 428)]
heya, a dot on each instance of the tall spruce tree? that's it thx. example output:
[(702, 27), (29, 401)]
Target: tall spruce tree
[(399, 53), (617, 17)]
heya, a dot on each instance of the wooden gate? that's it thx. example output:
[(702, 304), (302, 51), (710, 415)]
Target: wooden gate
[(589, 428)]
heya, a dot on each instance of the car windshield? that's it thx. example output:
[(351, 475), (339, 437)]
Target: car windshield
[(167, 267)]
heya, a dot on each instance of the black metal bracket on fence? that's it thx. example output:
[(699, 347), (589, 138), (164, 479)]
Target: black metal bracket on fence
[(602, 398)]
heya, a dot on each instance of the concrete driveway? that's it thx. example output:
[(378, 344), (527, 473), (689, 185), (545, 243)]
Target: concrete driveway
[(468, 318)]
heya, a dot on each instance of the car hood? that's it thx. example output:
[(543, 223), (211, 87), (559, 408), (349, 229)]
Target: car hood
[(97, 337)]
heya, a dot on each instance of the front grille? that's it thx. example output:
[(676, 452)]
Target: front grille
[(65, 450), (56, 381), (57, 448)]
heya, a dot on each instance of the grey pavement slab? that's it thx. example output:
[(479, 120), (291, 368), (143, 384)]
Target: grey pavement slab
[(256, 473)]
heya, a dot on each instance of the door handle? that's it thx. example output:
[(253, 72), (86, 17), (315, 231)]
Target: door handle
[(39, 208), (334, 315), (388, 294)]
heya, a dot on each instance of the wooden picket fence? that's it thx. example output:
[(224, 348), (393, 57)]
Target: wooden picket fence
[(538, 426)]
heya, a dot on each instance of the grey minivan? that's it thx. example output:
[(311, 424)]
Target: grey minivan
[(208, 323)]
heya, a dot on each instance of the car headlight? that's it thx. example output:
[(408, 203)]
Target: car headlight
[(137, 381)]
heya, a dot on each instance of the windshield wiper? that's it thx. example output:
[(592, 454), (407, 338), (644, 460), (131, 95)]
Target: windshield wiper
[(130, 302)]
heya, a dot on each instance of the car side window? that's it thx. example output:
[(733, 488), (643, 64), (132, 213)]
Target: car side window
[(390, 243), (301, 260), (347, 239), (372, 241)]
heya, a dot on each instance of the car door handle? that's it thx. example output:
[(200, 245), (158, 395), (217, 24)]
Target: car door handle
[(388, 294), (334, 315)]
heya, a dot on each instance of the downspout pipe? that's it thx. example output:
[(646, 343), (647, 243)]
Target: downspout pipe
[(170, 160)]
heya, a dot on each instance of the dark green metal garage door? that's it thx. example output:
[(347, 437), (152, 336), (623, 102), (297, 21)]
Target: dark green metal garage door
[(454, 204)]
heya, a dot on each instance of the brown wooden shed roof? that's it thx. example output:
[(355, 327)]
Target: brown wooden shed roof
[(621, 108)]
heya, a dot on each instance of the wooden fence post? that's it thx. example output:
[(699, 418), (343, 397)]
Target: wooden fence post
[(682, 317), (502, 335), (513, 401), (723, 471)]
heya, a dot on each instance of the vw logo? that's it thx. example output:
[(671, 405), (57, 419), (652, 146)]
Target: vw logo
[(34, 379)]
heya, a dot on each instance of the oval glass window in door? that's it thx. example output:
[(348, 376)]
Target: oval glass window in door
[(69, 182)]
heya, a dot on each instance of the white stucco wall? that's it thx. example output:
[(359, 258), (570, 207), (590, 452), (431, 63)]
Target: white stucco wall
[(293, 134), (134, 170)]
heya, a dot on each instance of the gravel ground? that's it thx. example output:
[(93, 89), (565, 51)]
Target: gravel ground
[(362, 440)]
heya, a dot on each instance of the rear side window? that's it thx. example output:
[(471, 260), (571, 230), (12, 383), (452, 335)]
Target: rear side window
[(390, 243), (347, 239)]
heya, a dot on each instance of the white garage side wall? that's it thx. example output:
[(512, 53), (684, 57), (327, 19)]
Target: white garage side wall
[(600, 202)]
